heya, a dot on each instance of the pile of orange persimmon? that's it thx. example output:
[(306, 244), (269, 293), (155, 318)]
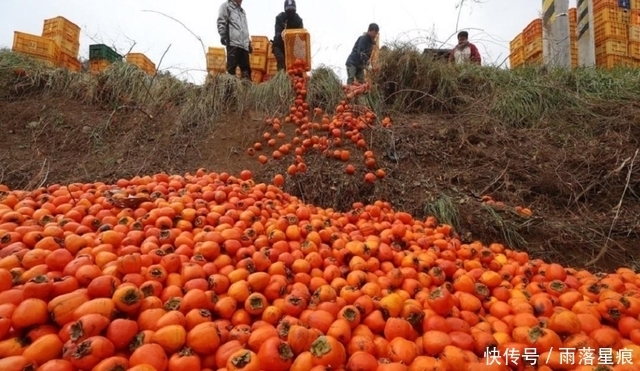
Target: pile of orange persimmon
[(327, 134), (215, 272)]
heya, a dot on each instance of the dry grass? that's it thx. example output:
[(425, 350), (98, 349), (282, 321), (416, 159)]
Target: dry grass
[(519, 98)]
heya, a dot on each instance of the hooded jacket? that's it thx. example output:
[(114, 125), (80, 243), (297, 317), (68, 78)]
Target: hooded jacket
[(232, 24), (286, 21)]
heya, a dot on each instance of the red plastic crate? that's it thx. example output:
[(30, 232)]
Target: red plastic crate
[(532, 31)]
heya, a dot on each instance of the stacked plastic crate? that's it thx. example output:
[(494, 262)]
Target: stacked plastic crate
[(143, 62), (634, 31), (216, 61), (258, 58), (272, 65), (66, 35), (532, 39), (516, 51), (573, 36), (611, 34), (101, 57), (37, 47)]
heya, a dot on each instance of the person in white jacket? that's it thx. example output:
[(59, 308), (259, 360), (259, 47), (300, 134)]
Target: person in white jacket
[(234, 34)]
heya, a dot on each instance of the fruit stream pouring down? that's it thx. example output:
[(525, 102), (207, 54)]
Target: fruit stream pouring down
[(218, 272)]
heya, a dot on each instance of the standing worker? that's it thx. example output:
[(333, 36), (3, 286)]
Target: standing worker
[(361, 54), (234, 34), (287, 20), (465, 52)]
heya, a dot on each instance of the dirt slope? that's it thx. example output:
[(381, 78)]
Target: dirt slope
[(435, 164)]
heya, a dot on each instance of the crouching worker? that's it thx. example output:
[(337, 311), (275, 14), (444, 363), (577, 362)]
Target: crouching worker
[(465, 52), (359, 58), (287, 20), (234, 34)]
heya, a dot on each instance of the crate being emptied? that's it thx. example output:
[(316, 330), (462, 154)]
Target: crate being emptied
[(297, 45)]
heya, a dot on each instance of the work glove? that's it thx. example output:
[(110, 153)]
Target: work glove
[(224, 41), (369, 68), (250, 48)]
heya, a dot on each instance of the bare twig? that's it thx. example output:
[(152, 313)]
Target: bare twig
[(605, 247), (606, 177), (131, 48), (484, 191), (153, 78), (204, 48)]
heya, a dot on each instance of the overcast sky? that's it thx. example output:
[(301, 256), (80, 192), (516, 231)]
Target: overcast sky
[(334, 25)]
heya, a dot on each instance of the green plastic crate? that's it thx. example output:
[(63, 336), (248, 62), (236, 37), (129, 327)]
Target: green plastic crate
[(101, 51)]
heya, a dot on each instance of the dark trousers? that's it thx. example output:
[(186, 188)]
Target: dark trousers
[(354, 73), (278, 52), (238, 57)]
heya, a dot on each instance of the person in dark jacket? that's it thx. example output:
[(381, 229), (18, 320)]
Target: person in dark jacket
[(358, 60), (287, 20)]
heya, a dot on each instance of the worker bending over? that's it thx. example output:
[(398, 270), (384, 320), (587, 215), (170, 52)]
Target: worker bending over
[(359, 58)]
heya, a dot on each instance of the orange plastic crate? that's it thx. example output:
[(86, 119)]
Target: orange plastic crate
[(217, 59), (37, 47), (297, 46), (533, 31), (272, 65), (142, 61), (260, 44), (611, 61), (573, 16), (98, 65), (634, 49), (516, 58), (534, 59), (609, 13), (258, 62), (599, 3), (533, 48), (517, 42), (61, 26), (610, 30), (70, 62), (66, 45), (613, 47), (634, 32), (634, 17), (635, 4)]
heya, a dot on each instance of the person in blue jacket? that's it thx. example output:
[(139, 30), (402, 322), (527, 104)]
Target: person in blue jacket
[(287, 20), (359, 58)]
